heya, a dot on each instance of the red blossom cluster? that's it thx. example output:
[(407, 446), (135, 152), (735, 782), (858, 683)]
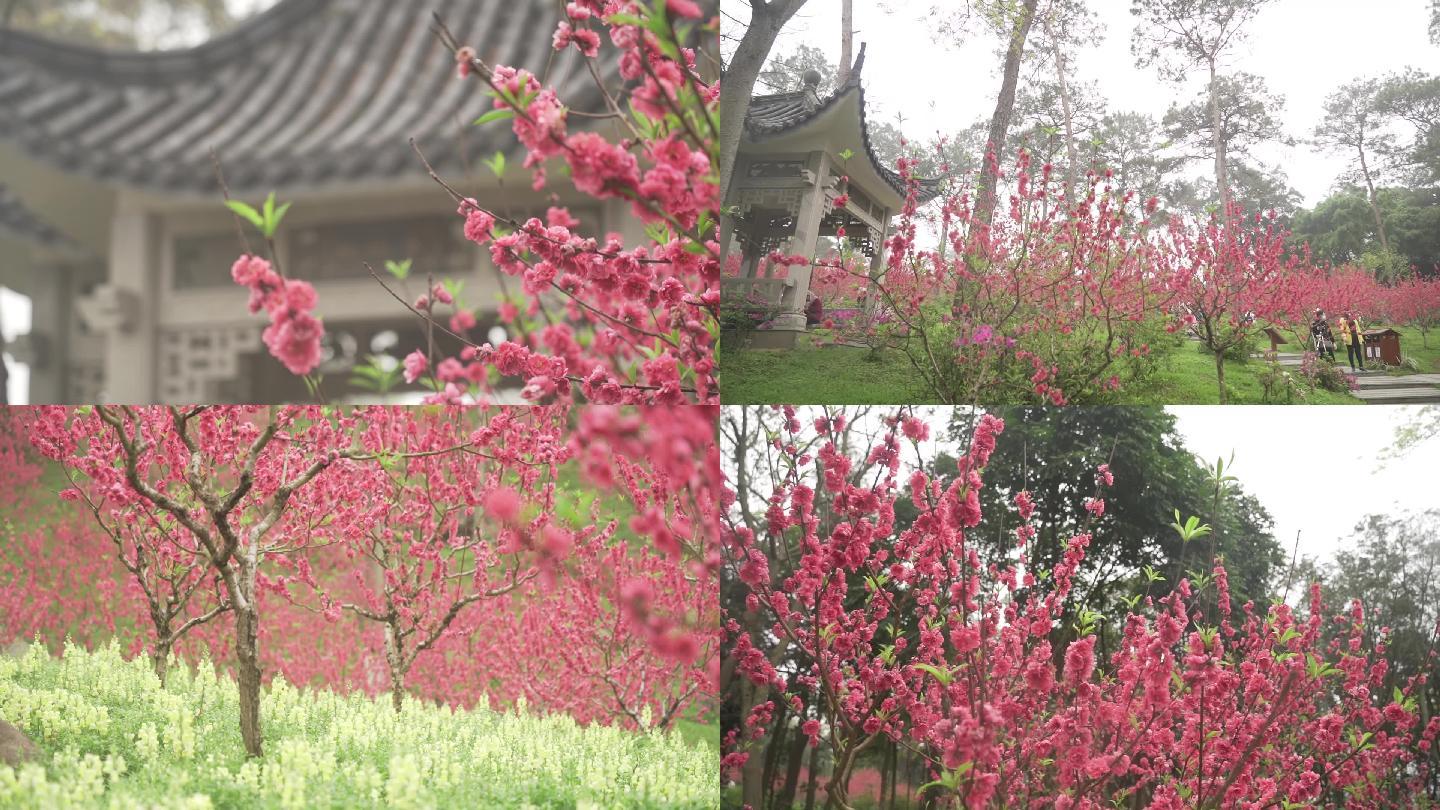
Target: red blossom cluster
[(294, 333), (616, 322), (1193, 707)]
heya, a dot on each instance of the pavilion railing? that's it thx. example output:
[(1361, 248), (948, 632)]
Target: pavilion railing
[(757, 293)]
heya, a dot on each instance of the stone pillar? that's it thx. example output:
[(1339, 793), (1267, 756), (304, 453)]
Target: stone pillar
[(50, 329), (128, 307), (727, 236), (750, 263), (873, 298), (807, 234)]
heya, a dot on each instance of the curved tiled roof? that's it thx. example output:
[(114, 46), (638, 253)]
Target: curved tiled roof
[(309, 92), (774, 114)]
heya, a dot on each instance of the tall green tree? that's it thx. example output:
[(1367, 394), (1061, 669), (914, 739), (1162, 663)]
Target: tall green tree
[(785, 72), (1354, 127), (1054, 121), (1015, 21), (1340, 229), (1131, 145), (1392, 566), (1064, 26), (1413, 98), (1053, 453), (1232, 116), (1256, 188), (1178, 37)]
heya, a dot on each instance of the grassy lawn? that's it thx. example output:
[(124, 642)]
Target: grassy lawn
[(1411, 347), (1187, 377), (843, 375), (829, 375), (697, 733)]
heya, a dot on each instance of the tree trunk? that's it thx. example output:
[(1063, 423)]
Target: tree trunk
[(839, 791), (847, 42), (160, 658), (395, 658), (884, 776), (1374, 199), (247, 644), (247, 654), (1222, 183), (772, 751), (752, 788), (793, 761), (1220, 373), (1072, 156), (813, 780), (737, 84), (1004, 106)]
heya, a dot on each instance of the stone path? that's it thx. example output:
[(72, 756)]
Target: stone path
[(1377, 387)]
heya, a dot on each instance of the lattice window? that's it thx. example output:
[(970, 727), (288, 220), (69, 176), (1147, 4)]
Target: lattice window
[(341, 250), (194, 362)]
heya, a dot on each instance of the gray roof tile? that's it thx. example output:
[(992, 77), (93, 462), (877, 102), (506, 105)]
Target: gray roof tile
[(773, 114), (309, 91)]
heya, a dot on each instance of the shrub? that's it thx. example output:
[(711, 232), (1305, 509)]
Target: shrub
[(114, 737)]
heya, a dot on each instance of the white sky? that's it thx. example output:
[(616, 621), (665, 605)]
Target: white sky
[(1315, 468), (15, 321), (1304, 49)]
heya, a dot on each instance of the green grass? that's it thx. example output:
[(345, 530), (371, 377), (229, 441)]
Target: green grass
[(1413, 348), (1187, 377), (697, 733), (828, 375), (843, 375), (112, 736)]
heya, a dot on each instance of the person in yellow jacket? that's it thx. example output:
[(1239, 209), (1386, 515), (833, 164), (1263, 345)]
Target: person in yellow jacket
[(1353, 337)]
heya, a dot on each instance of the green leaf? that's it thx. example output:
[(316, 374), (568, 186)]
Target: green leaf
[(625, 19), (497, 165), (400, 269), (502, 114), (279, 215), (246, 212), (939, 674)]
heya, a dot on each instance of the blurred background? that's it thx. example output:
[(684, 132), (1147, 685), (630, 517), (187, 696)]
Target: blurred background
[(115, 246)]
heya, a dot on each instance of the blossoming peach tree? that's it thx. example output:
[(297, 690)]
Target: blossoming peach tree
[(614, 322), (903, 634), (419, 524), (1070, 294), (1054, 302)]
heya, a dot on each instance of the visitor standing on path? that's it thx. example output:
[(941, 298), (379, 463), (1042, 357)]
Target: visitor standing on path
[(1321, 337), (1354, 340)]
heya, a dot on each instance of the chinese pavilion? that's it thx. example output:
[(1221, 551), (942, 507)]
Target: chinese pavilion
[(788, 177)]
